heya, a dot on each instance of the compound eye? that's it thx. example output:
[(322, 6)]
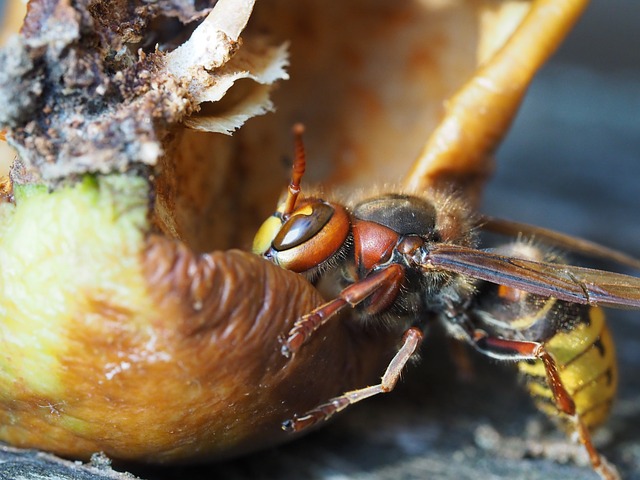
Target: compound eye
[(305, 224), (313, 234)]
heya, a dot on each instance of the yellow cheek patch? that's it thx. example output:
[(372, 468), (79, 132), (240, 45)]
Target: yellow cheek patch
[(266, 233)]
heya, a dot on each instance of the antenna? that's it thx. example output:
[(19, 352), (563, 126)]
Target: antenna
[(299, 164)]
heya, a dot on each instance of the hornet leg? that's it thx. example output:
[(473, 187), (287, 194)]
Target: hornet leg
[(525, 350), (411, 341), (380, 286)]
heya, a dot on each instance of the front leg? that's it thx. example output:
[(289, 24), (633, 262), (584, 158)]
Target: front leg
[(381, 287)]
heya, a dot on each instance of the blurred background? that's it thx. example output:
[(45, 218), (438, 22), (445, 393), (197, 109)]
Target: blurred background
[(571, 160), (572, 163)]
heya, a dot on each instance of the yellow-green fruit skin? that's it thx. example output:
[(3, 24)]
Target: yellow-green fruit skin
[(62, 254)]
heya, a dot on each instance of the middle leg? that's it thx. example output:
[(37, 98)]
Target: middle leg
[(411, 341)]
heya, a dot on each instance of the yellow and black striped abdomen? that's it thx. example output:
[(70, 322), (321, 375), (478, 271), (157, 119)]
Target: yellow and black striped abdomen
[(586, 360)]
